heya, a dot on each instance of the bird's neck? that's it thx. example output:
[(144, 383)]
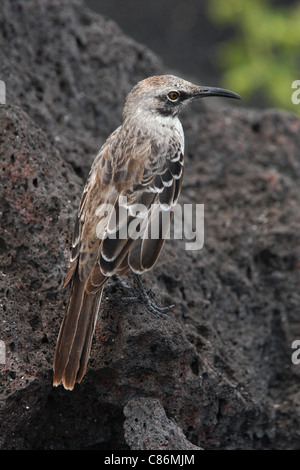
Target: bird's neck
[(155, 125)]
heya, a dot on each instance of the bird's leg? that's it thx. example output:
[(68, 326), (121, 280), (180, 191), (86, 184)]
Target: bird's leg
[(117, 281), (144, 296)]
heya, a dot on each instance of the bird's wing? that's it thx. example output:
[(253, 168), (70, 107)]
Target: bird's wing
[(114, 174), (152, 199), (125, 211), (166, 186)]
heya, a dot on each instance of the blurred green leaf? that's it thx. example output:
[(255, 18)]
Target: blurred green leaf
[(263, 56)]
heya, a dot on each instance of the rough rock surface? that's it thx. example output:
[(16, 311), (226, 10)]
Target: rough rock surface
[(147, 427), (219, 370)]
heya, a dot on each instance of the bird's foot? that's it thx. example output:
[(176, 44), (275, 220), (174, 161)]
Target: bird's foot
[(144, 296), (117, 281)]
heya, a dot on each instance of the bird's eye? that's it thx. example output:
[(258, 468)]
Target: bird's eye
[(173, 96)]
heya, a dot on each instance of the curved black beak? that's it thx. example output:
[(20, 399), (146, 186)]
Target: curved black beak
[(214, 91)]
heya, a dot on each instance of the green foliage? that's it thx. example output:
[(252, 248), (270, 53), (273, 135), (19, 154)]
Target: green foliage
[(263, 57)]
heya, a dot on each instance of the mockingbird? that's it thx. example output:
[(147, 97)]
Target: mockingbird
[(140, 163)]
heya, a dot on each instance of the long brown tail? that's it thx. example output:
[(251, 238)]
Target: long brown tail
[(75, 336)]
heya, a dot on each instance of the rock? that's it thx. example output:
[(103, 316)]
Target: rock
[(217, 374), (147, 427), (71, 70)]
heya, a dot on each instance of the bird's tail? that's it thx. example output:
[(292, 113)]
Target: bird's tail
[(75, 336)]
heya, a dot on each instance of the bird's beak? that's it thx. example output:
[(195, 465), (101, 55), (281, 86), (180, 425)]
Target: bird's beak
[(214, 91)]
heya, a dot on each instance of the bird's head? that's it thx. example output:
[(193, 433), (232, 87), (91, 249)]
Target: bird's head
[(166, 95)]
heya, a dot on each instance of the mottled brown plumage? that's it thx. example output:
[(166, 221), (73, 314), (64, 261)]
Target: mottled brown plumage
[(141, 161)]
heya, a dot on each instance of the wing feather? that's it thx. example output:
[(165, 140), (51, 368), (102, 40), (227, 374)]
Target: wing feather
[(145, 252)]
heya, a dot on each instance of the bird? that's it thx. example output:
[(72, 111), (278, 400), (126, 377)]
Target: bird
[(141, 163)]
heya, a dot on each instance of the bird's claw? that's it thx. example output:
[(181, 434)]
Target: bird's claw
[(143, 296)]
